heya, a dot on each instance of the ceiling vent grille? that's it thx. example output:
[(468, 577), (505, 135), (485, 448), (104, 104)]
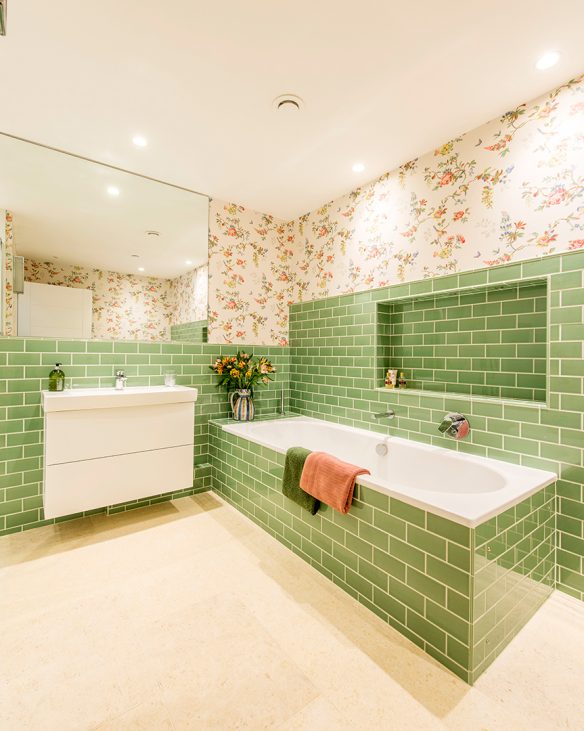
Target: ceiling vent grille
[(287, 103)]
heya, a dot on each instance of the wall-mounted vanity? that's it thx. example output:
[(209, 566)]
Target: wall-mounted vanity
[(104, 446)]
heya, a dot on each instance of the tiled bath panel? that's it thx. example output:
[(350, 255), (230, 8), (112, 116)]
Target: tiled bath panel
[(333, 377), (459, 593), (24, 367)]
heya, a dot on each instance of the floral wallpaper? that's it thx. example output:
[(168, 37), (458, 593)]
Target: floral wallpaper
[(512, 189), (250, 264), (189, 294), (9, 300), (126, 306)]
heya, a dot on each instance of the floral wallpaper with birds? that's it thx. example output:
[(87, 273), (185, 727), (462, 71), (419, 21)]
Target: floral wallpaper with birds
[(512, 189)]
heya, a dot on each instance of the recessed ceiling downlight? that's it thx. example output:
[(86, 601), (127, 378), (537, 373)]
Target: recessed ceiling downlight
[(288, 103), (549, 59), (139, 140), (113, 191), (358, 167)]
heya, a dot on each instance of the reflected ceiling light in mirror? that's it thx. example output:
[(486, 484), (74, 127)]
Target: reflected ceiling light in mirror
[(189, 263), (549, 59), (139, 140), (358, 167), (113, 191), (141, 269)]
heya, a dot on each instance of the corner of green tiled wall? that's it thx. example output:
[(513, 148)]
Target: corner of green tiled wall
[(193, 332)]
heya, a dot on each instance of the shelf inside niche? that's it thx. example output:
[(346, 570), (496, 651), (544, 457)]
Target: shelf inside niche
[(486, 343), (460, 395)]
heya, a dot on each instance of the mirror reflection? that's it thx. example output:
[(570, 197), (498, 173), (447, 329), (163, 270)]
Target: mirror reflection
[(89, 251)]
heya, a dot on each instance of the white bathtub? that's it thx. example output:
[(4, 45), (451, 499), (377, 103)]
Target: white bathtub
[(464, 488)]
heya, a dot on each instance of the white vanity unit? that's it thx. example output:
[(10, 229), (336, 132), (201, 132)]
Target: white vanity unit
[(104, 446)]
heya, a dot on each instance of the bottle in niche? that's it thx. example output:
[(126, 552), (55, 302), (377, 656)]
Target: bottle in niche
[(402, 383), (57, 379)]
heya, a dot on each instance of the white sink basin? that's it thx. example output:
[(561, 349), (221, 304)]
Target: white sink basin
[(106, 398)]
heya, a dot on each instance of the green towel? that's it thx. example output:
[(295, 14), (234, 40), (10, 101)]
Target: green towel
[(295, 458)]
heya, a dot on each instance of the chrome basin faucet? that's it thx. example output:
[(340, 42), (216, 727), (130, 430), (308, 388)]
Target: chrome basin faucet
[(120, 380)]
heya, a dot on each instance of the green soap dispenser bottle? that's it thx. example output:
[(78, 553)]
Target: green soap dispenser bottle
[(57, 379)]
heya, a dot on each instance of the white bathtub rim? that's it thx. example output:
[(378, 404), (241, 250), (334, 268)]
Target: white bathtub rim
[(470, 519)]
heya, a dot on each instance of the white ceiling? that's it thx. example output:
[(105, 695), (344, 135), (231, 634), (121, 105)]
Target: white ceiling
[(382, 81), (62, 211)]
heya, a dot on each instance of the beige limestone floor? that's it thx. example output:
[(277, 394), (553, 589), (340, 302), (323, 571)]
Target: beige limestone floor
[(185, 615)]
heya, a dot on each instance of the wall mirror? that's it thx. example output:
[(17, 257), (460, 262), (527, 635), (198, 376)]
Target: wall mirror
[(90, 251)]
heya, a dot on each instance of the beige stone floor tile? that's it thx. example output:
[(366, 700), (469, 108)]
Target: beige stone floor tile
[(320, 715), (220, 669), (149, 716), (187, 616)]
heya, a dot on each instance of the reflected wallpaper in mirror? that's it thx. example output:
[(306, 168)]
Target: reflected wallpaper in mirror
[(90, 251)]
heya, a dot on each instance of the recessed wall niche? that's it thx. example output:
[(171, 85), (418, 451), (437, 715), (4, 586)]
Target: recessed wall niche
[(489, 341)]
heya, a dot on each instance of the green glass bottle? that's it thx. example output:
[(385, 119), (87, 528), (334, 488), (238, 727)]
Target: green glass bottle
[(57, 379)]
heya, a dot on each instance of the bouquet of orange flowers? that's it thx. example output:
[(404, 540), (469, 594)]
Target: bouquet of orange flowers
[(242, 371)]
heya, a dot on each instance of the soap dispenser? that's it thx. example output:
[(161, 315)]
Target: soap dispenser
[(57, 379)]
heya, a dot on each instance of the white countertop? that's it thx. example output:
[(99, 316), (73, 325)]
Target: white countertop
[(76, 399)]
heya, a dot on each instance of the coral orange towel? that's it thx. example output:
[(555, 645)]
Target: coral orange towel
[(330, 480)]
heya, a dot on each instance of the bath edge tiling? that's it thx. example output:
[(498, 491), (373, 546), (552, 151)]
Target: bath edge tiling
[(334, 377), (414, 569), (24, 367)]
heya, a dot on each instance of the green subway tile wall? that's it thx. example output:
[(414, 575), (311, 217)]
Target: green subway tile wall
[(333, 376), (24, 367), (484, 341), (513, 571), (414, 569), (330, 372), (192, 332)]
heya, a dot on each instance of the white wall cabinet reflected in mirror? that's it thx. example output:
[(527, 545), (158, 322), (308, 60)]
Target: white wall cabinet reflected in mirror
[(106, 254)]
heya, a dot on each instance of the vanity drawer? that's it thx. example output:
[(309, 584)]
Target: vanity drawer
[(88, 434), (78, 486)]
